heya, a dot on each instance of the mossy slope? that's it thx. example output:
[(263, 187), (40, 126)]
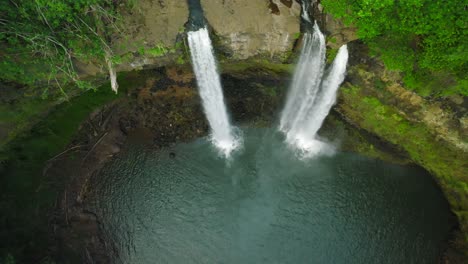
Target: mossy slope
[(449, 165)]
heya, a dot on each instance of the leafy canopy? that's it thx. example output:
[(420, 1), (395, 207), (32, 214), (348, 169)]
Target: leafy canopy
[(425, 39), (39, 39)]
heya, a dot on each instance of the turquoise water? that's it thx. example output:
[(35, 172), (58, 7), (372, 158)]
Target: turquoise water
[(267, 206)]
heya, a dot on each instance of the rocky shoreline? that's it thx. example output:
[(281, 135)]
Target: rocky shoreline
[(165, 110), (377, 114)]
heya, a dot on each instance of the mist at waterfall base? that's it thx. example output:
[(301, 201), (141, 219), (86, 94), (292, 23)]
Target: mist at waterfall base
[(223, 135), (267, 206), (311, 95)]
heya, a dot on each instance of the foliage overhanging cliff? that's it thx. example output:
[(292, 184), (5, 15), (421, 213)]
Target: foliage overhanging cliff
[(427, 40), (41, 40)]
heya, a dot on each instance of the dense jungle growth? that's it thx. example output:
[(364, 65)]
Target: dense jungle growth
[(424, 39), (402, 99), (41, 40)]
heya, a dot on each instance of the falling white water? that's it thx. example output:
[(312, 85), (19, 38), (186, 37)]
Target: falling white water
[(211, 93), (310, 98), (305, 15), (327, 95), (306, 82)]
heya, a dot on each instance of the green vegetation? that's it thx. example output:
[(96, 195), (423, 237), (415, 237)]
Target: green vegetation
[(181, 60), (26, 196), (447, 164), (8, 259), (18, 117), (426, 40), (331, 54), (184, 53), (40, 39), (359, 141), (160, 50)]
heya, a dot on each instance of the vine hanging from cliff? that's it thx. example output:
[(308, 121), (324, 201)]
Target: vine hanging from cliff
[(41, 40)]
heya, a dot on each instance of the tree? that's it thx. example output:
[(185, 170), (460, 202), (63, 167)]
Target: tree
[(40, 39), (424, 39)]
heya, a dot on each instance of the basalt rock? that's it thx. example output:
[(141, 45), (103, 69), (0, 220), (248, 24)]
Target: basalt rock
[(248, 28)]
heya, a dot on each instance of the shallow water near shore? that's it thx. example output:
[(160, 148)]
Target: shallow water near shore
[(184, 204)]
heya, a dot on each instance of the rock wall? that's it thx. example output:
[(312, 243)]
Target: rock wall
[(151, 34), (248, 28), (242, 29), (432, 131), (150, 29), (336, 31)]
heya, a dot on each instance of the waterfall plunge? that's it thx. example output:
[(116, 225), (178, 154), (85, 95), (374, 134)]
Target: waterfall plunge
[(312, 94), (209, 85)]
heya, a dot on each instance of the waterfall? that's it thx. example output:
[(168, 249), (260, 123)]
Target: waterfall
[(327, 96), (305, 8), (209, 85), (306, 82), (312, 94)]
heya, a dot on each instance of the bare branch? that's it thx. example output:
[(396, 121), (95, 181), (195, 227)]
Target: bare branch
[(61, 89), (13, 2), (38, 8)]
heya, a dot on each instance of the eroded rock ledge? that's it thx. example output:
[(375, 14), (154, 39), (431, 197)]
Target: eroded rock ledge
[(432, 133), (164, 110)]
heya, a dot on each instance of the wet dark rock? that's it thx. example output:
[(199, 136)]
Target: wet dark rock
[(287, 3), (167, 114), (274, 8), (267, 89), (114, 149), (125, 125)]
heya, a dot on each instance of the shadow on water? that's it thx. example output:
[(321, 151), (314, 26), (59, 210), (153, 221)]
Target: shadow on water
[(27, 196)]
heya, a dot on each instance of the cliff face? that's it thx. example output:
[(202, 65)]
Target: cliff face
[(153, 31), (152, 34), (432, 132), (248, 28)]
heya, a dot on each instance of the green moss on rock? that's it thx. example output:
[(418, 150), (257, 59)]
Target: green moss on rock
[(24, 191), (448, 165)]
